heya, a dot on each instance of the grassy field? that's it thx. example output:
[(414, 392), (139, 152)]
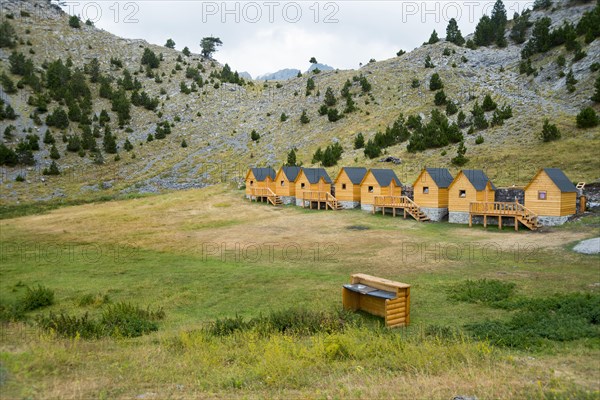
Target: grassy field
[(208, 254)]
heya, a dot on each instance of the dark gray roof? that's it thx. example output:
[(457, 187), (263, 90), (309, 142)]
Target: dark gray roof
[(291, 173), (261, 173), (441, 176), (355, 174), (385, 176), (314, 174), (560, 179), (478, 178)]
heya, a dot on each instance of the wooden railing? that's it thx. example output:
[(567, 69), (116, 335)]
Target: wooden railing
[(510, 209), (262, 192), (394, 201), (320, 197)]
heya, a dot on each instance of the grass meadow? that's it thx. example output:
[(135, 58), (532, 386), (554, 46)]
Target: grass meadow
[(208, 256)]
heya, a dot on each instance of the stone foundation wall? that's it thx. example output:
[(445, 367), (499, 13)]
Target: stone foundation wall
[(435, 214), (288, 199), (348, 205), (366, 207), (552, 221)]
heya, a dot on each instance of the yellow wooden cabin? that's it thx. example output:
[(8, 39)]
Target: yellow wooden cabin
[(259, 181), (285, 183), (312, 184), (347, 186), (431, 192), (378, 182), (470, 185), (551, 194)]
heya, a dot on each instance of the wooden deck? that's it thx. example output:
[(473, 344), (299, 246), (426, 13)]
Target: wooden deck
[(265, 194), (515, 210), (320, 199), (403, 203)]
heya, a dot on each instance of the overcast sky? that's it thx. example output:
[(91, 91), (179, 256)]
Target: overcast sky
[(266, 36)]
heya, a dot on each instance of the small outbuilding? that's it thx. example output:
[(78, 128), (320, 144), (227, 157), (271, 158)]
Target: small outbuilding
[(378, 182), (347, 186), (470, 185), (431, 192), (258, 180), (312, 185), (552, 196), (285, 184)]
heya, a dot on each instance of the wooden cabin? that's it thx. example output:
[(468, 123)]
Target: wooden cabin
[(552, 196), (470, 185), (431, 192), (285, 184), (347, 186), (378, 182), (259, 178), (312, 182)]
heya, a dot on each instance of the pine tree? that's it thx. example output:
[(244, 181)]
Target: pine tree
[(127, 145), (499, 20), (7, 84), (186, 52), (488, 103), (48, 138), (330, 99), (109, 142), (435, 82), (318, 156), (433, 38), (52, 170), (170, 44), (54, 153), (310, 86), (460, 158), (304, 118), (440, 98), (549, 132), (484, 32), (587, 118), (453, 34), (184, 144), (596, 96), (571, 81), (359, 141), (291, 159)]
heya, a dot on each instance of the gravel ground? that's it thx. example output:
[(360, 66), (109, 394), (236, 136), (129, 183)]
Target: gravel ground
[(590, 246)]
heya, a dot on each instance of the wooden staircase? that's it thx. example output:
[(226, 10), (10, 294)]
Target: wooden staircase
[(400, 202), (502, 210), (268, 194), (332, 202)]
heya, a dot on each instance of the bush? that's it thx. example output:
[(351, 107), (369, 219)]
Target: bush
[(255, 136), (482, 291), (435, 82), (549, 132), (359, 141), (535, 322), (334, 115), (587, 118), (440, 98), (70, 326), (74, 22), (124, 319), (479, 139), (37, 298), (372, 150), (291, 321)]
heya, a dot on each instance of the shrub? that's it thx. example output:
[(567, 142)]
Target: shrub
[(38, 297), (488, 103), (435, 82), (440, 98), (304, 117), (255, 136), (74, 22), (535, 322), (479, 139), (333, 115), (460, 158), (549, 132), (484, 291), (359, 141), (372, 150), (70, 326), (124, 319), (587, 118)]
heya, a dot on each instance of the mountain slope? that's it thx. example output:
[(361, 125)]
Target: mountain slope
[(216, 121)]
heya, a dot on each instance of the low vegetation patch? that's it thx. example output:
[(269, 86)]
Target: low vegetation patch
[(117, 320), (292, 321), (34, 298), (482, 291)]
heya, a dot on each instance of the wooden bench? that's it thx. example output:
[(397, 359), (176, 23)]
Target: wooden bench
[(377, 296)]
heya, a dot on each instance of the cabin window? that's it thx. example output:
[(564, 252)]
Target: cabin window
[(343, 186), (425, 189), (251, 183), (370, 189), (302, 185), (542, 195), (282, 183), (462, 193)]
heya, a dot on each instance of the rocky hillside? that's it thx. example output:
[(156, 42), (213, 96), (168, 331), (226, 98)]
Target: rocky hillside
[(216, 120)]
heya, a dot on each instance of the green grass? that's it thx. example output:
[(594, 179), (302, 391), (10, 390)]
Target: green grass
[(235, 327)]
